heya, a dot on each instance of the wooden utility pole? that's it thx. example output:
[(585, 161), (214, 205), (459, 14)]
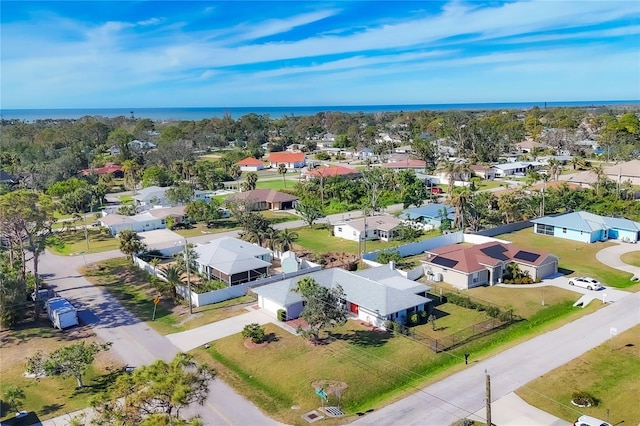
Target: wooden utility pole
[(488, 398), (186, 261)]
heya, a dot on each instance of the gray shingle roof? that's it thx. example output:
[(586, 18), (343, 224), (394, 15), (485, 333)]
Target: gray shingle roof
[(364, 292)]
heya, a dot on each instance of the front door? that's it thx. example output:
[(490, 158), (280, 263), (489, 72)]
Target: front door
[(353, 308)]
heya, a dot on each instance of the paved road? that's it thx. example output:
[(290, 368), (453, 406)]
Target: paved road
[(462, 394), (611, 256), (134, 341)]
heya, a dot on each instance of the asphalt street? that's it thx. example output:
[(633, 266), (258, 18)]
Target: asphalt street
[(463, 394), (134, 342)]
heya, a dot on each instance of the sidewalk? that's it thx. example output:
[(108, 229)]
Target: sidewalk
[(511, 410)]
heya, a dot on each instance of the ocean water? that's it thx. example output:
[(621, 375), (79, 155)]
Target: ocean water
[(200, 113)]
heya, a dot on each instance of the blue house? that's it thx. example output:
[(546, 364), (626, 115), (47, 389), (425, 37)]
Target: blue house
[(429, 214), (587, 227)]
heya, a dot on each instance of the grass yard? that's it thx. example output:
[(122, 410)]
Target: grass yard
[(450, 319), (70, 242), (279, 216), (525, 301), (575, 258), (632, 258), (50, 396), (279, 376), (126, 199), (199, 229), (131, 287), (278, 184), (610, 376), (319, 240), (377, 369)]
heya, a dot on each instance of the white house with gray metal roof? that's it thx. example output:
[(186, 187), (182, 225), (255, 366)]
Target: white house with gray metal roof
[(587, 227), (232, 261), (389, 296)]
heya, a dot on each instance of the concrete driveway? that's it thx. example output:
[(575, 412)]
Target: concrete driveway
[(191, 339), (511, 410)]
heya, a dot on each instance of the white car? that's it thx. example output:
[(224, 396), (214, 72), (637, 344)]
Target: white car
[(590, 421), (585, 282)]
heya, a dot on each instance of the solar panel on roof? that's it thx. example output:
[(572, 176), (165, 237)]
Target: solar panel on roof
[(527, 256), (495, 252), (443, 261)]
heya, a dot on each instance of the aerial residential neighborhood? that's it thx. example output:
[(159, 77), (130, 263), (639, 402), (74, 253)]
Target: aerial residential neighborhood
[(424, 257), (294, 213)]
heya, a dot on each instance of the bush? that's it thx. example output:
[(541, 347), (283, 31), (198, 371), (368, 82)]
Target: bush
[(584, 399), (414, 319), (423, 316), (281, 315), (493, 311), (254, 331), (465, 422), (505, 316)]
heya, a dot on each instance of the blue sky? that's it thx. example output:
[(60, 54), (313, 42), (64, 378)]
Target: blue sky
[(86, 54)]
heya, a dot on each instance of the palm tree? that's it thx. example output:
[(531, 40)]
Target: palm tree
[(453, 170), (270, 236), (285, 240), (555, 168), (155, 262), (130, 243), (282, 170), (601, 176), (130, 169), (173, 276), (460, 202)]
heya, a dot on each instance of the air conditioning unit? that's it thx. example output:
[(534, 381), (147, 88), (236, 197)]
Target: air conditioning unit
[(437, 277)]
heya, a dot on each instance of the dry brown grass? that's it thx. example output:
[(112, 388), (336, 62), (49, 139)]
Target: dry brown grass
[(51, 396)]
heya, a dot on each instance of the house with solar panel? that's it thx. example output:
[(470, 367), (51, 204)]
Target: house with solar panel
[(373, 295), (466, 267), (587, 227)]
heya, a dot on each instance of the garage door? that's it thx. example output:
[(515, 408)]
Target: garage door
[(548, 269)]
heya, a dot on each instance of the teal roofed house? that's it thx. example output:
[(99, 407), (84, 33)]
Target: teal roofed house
[(429, 214), (587, 227)]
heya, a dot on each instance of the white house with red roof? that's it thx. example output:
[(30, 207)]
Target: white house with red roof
[(291, 160), (466, 267), (250, 164)]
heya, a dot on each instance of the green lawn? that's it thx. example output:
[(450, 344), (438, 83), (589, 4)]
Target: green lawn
[(50, 396), (199, 229), (377, 368), (131, 287), (276, 184), (319, 240), (575, 258), (632, 258), (71, 242), (525, 301), (126, 199), (609, 375)]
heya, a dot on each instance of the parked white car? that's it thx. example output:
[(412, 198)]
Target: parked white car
[(590, 421), (585, 282)]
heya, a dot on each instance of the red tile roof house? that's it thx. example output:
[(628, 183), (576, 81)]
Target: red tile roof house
[(107, 169), (417, 165), (466, 267), (265, 199), (292, 160), (324, 172), (250, 164)]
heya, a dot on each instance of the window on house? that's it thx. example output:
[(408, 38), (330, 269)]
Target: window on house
[(544, 229), (564, 230), (354, 232), (339, 229)]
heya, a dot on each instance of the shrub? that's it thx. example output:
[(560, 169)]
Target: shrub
[(505, 316), (414, 319), (584, 399), (493, 311), (281, 315), (254, 331), (423, 316), (465, 422)]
